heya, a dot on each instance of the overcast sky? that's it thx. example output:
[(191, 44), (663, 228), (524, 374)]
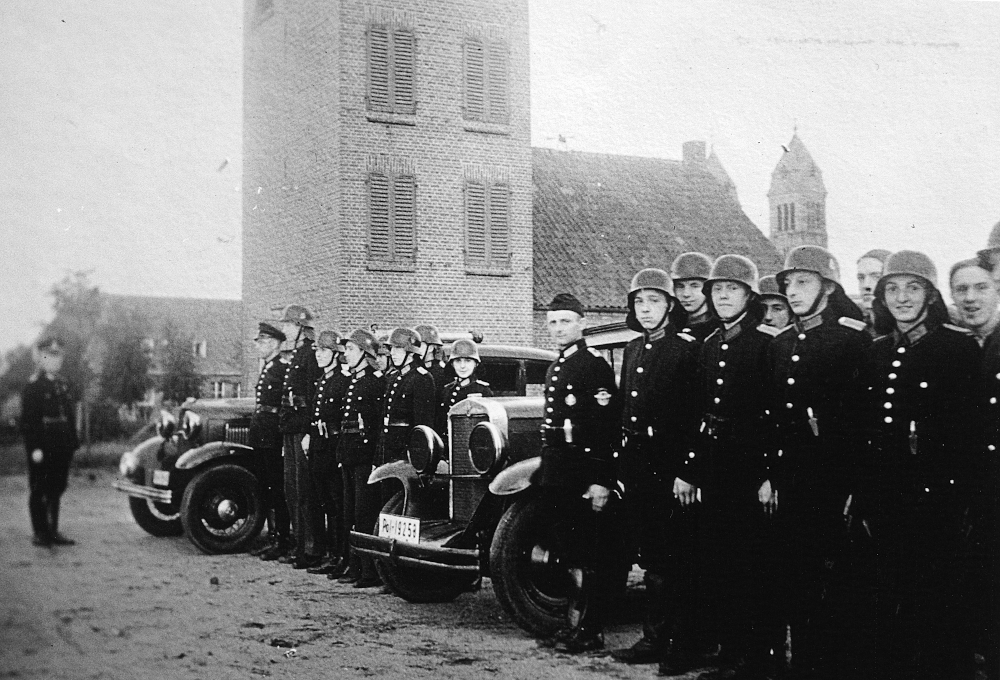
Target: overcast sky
[(122, 124)]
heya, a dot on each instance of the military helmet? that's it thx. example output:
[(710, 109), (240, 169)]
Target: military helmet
[(366, 341), (767, 286), (913, 263), (383, 345), (50, 344), (297, 314), (810, 259), (691, 266), (464, 349), (879, 254), (330, 340), (735, 268), (657, 279), (405, 338), (428, 335), (989, 255)]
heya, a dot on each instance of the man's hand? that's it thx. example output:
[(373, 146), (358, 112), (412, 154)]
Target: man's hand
[(305, 444), (768, 497), (598, 496), (685, 493), (37, 456)]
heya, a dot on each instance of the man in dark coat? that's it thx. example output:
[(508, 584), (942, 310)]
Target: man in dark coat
[(48, 424), (464, 360), (409, 398), (360, 425), (658, 421), (689, 272), (577, 473)]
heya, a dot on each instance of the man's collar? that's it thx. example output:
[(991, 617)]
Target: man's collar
[(570, 350), (814, 321), (912, 336), (987, 329), (657, 334), (700, 317), (731, 331)]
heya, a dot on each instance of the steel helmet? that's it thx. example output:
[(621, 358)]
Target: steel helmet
[(366, 341), (810, 259), (383, 345), (913, 263), (879, 254), (464, 349), (429, 335), (297, 314), (647, 279), (989, 254), (735, 268), (330, 340), (767, 286), (406, 338), (691, 266)]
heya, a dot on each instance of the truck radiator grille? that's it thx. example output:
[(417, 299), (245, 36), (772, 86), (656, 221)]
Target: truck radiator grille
[(465, 493), (238, 434)]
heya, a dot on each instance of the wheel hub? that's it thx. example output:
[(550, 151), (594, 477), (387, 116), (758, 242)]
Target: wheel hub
[(227, 510)]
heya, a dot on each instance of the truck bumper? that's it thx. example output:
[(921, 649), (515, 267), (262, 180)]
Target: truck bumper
[(420, 555), (141, 491)]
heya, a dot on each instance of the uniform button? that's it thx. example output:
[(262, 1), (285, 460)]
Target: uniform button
[(725, 346), (722, 364), (923, 385), (998, 376), (719, 381), (896, 364), (562, 359), (691, 454), (639, 370), (634, 419), (791, 381), (927, 489), (888, 419), (555, 378), (550, 398), (951, 481), (802, 336), (901, 350), (557, 368), (788, 405), (635, 393), (890, 390), (548, 410), (991, 447), (993, 400), (795, 357), (552, 389), (548, 421), (892, 376), (649, 346), (887, 405), (717, 400)]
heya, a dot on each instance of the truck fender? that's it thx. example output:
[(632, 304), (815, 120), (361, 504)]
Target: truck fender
[(515, 478), (211, 451)]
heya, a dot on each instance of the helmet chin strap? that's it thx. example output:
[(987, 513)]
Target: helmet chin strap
[(357, 363), (729, 319), (823, 295), (664, 320)]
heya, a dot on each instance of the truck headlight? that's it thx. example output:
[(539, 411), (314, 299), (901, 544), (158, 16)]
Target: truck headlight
[(128, 463), (485, 447), (425, 449), (190, 425), (167, 425)]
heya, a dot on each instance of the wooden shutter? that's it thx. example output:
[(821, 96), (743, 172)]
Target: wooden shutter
[(475, 224), (403, 71), (404, 208), (497, 88), (499, 229), (475, 79), (379, 247), (378, 68)]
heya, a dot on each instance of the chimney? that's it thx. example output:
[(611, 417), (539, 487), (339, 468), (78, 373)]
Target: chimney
[(694, 153)]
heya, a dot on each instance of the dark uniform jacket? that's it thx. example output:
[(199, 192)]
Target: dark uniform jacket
[(924, 424), (731, 449), (409, 401), (814, 368), (301, 375), (659, 408), (442, 374), (47, 416), (581, 416), (327, 409), (264, 432), (456, 391), (701, 326), (361, 418)]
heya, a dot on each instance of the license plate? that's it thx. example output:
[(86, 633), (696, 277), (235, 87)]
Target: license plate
[(405, 529), (161, 478)]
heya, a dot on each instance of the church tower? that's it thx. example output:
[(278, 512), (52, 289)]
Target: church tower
[(797, 199)]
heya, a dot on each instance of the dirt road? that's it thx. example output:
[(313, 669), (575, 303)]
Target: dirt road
[(123, 604)]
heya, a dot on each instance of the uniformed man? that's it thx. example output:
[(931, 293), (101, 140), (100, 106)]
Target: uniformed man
[(48, 425), (464, 360), (266, 439), (360, 426), (324, 471), (923, 469), (777, 313), (383, 355), (870, 266), (432, 354), (301, 374), (990, 255), (689, 271), (658, 419), (730, 467), (815, 397), (409, 399), (577, 474)]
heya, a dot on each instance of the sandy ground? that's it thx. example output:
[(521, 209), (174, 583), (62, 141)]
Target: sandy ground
[(123, 604)]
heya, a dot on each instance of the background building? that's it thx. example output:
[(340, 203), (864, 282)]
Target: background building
[(798, 200)]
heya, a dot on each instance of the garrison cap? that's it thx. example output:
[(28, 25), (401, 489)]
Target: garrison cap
[(691, 266), (266, 330), (566, 301), (735, 268)]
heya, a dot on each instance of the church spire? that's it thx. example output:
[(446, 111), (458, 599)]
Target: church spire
[(797, 199)]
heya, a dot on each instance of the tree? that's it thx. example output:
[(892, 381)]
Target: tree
[(180, 379), (19, 365), (78, 308), (125, 370)]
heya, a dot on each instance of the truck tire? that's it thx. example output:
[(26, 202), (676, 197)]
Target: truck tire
[(222, 510), (534, 594), (414, 584), (152, 518)]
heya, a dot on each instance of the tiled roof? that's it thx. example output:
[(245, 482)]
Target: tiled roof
[(213, 321), (599, 218)]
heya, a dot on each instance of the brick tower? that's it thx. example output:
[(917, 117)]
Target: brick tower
[(798, 200)]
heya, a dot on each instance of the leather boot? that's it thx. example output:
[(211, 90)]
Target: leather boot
[(648, 648), (57, 538)]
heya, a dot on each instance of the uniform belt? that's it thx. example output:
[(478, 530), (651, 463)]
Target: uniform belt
[(556, 435), (350, 430), (330, 431), (52, 420), (716, 425), (398, 423), (647, 433), (261, 408)]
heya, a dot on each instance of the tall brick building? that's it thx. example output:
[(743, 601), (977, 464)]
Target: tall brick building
[(387, 165), (797, 199)]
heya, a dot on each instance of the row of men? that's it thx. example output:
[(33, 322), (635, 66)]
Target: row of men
[(830, 475), (327, 409)]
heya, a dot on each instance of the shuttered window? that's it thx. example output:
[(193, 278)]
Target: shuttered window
[(486, 75), (391, 67), (392, 206), (487, 225)]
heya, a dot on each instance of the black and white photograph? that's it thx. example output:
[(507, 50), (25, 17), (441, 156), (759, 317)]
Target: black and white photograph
[(500, 339)]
